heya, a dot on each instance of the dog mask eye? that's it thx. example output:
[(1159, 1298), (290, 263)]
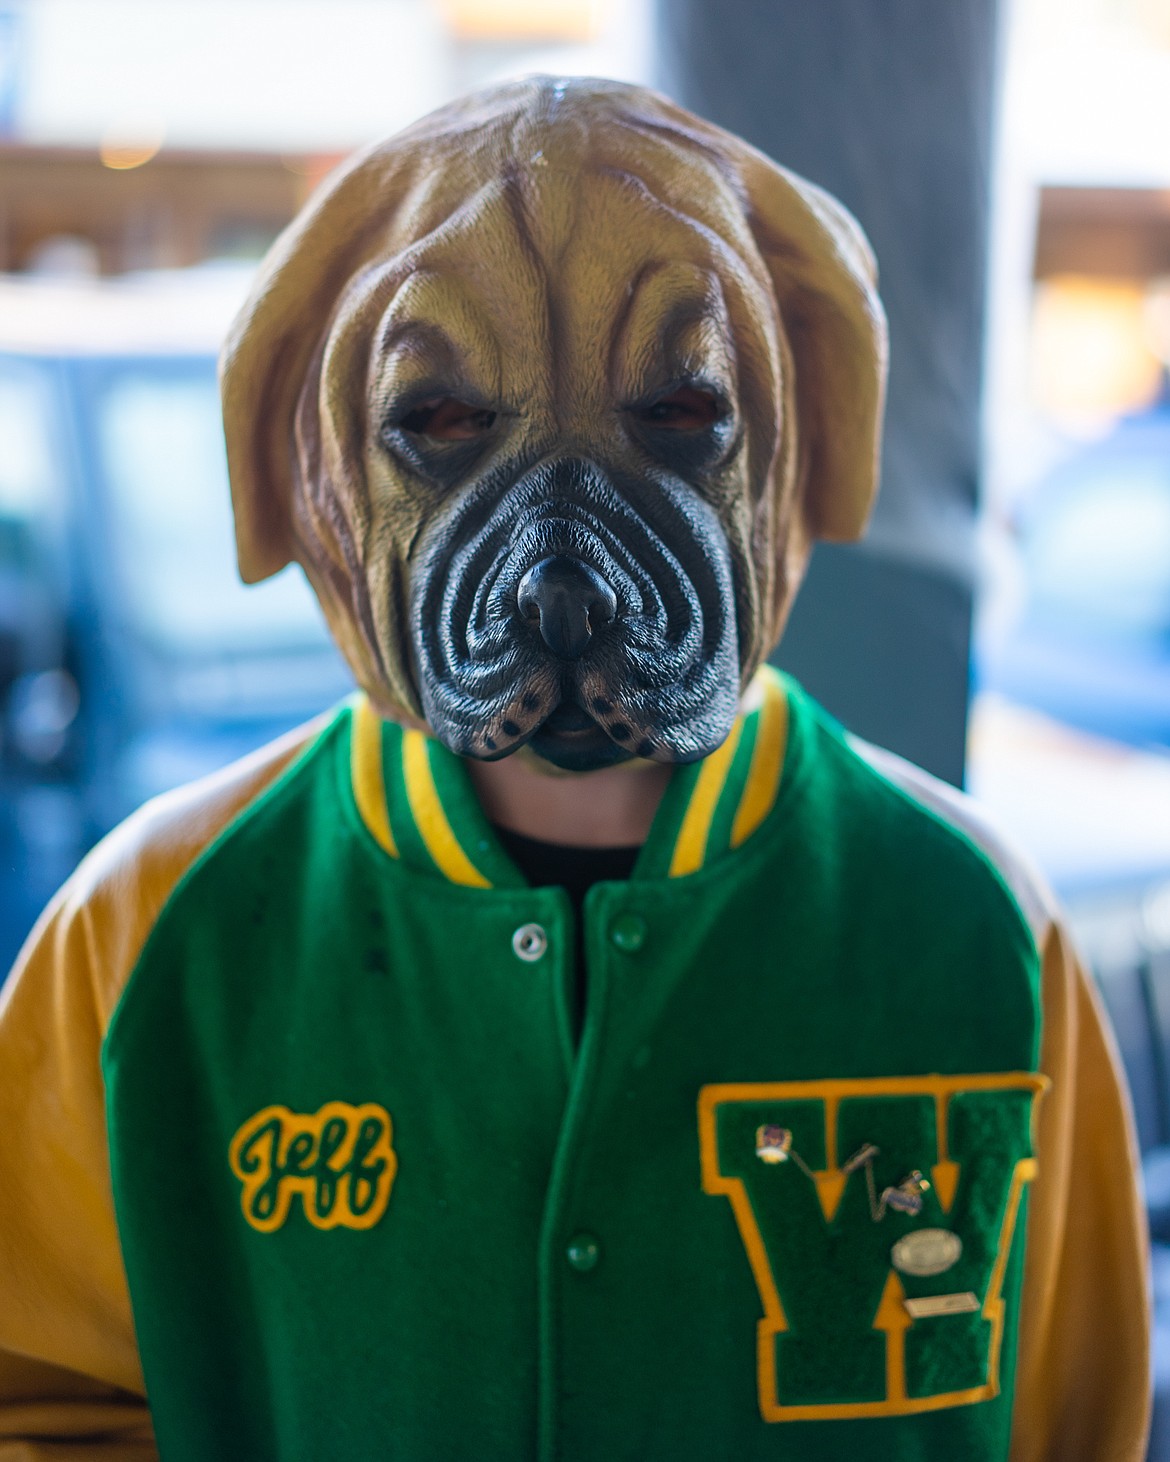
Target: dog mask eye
[(446, 419), (685, 409), (689, 427)]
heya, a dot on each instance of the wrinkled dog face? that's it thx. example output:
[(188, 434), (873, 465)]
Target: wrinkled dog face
[(574, 587), (562, 444)]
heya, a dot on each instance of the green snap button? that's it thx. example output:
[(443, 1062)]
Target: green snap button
[(629, 933), (583, 1252)]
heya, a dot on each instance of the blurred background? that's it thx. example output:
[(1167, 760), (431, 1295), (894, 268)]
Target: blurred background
[(1008, 622), (150, 151)]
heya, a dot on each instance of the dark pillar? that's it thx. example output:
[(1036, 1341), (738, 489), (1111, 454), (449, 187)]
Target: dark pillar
[(889, 107)]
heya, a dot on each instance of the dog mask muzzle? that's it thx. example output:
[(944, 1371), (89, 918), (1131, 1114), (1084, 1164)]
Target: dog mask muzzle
[(586, 613)]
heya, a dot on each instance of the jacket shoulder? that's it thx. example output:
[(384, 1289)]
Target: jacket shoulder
[(974, 825)]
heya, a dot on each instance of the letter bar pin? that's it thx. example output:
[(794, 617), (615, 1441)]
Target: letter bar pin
[(903, 1197), (774, 1145)]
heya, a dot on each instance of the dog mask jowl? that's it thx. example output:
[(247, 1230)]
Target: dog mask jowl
[(589, 610), (550, 395)]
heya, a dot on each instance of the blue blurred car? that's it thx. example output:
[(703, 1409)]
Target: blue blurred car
[(1092, 647), (131, 657)]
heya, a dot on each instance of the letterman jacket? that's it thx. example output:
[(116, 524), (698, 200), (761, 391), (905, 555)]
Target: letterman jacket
[(299, 1149)]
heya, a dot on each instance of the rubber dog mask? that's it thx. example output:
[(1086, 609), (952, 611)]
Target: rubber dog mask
[(549, 395)]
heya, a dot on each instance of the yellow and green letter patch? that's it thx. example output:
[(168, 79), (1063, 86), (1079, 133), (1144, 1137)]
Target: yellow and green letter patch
[(338, 1161), (844, 1333)]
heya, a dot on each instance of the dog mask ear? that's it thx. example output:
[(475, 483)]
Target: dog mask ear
[(266, 358), (825, 279)]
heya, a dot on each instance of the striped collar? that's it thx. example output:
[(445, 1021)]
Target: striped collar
[(417, 800)]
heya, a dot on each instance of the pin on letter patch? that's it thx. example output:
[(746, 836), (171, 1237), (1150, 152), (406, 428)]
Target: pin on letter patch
[(773, 1144), (926, 1251), (906, 1197), (932, 1305)]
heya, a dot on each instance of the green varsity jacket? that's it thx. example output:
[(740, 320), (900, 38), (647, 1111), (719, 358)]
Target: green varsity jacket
[(375, 1198)]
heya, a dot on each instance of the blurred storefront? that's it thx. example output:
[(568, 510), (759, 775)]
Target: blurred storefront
[(76, 210), (159, 133), (1071, 732)]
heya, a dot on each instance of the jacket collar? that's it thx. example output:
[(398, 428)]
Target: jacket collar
[(417, 800)]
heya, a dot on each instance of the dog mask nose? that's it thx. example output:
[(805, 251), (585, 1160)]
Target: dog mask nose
[(570, 599)]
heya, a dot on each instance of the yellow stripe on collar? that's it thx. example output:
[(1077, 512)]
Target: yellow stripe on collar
[(369, 783), (691, 846), (427, 810), (763, 779)]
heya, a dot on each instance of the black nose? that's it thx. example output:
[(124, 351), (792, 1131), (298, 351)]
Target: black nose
[(570, 599)]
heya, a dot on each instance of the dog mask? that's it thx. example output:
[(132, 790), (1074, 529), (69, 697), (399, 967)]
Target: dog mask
[(549, 396)]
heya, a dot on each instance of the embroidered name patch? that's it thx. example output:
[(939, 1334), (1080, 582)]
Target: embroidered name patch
[(338, 1161), (829, 1183)]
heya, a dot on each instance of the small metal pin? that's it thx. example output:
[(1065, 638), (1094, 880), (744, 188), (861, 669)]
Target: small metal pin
[(773, 1144), (926, 1251), (964, 1303), (907, 1196)]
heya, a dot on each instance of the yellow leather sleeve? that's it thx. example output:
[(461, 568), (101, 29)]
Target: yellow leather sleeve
[(70, 1380), (1083, 1377)]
